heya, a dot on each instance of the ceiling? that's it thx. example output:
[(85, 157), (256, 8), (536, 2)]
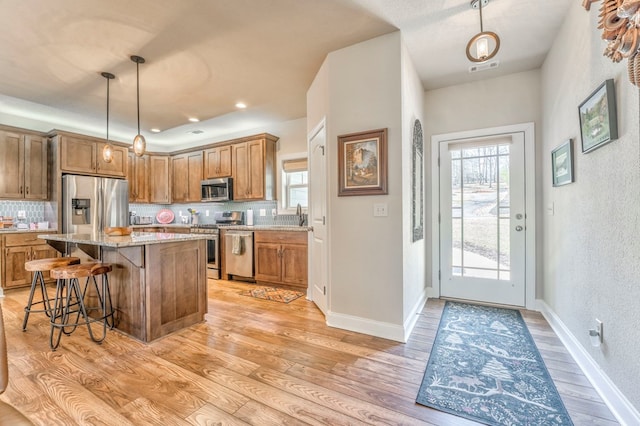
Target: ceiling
[(202, 57)]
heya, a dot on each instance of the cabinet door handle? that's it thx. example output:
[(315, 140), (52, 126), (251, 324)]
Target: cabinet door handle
[(20, 190), (27, 190)]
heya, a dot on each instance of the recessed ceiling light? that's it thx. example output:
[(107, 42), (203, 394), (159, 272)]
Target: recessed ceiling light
[(196, 132), (241, 105), (193, 119), (155, 130)]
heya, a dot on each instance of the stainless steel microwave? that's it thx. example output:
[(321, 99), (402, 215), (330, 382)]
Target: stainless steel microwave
[(216, 189)]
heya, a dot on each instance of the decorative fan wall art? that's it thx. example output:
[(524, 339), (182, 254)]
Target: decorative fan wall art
[(620, 25)]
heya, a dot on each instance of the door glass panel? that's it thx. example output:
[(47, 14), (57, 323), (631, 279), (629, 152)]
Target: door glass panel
[(480, 211)]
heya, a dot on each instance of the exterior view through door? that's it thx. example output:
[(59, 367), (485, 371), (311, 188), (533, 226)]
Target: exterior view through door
[(482, 219)]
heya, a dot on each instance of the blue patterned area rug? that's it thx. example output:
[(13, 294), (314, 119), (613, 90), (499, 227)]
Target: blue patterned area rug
[(485, 366)]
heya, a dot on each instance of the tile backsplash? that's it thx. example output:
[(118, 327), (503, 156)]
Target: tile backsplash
[(201, 208), (34, 210)]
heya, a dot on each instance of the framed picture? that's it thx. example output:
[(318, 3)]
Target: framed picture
[(562, 164), (362, 163), (598, 118), (417, 183)]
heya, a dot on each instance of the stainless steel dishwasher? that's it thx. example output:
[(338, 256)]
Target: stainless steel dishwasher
[(238, 250)]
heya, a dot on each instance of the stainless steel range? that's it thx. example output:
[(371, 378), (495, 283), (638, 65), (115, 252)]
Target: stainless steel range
[(213, 248)]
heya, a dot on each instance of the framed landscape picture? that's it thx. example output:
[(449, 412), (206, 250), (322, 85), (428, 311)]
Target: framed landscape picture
[(362, 163), (562, 164), (598, 118)]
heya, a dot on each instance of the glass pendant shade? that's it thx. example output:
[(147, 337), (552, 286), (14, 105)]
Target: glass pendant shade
[(139, 145), (139, 142), (484, 45), (107, 151)]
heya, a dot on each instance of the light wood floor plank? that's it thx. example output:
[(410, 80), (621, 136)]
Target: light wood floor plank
[(251, 362)]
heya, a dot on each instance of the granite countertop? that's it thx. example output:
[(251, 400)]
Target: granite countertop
[(135, 239), (266, 228), (16, 230)]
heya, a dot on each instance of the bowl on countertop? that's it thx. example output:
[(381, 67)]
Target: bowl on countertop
[(118, 231)]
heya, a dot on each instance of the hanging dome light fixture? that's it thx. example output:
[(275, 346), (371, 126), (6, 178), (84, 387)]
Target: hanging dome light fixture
[(484, 45), (107, 151), (139, 142)]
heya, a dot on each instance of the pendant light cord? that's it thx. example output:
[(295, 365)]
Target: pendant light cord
[(108, 110), (138, 92), (480, 5)]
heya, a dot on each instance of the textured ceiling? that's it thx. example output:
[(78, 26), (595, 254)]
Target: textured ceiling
[(204, 56)]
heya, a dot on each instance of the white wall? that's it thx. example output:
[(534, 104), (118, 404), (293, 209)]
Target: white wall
[(495, 102), (591, 253), (359, 88), (366, 259), (413, 253)]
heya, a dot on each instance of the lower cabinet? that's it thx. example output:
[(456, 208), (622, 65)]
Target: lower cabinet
[(18, 249), (281, 257)]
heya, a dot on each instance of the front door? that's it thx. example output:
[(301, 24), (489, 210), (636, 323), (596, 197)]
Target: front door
[(483, 219)]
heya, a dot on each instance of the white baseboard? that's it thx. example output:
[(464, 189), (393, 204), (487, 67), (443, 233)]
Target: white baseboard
[(386, 330), (367, 326), (619, 405), (433, 292)]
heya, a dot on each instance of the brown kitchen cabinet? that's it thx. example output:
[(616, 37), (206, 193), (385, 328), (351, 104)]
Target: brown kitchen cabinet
[(186, 176), (254, 169), (84, 156), (159, 179), (281, 257), (217, 162), (18, 249), (23, 166), (138, 177)]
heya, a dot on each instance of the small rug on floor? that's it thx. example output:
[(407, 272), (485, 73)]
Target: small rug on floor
[(272, 293), (485, 366)]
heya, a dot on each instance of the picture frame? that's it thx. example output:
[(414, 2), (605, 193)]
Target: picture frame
[(562, 163), (598, 117), (362, 163)]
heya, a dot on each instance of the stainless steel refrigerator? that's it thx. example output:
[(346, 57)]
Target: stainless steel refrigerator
[(89, 204)]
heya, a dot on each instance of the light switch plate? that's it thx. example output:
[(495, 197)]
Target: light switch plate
[(550, 209), (380, 210), (263, 212)]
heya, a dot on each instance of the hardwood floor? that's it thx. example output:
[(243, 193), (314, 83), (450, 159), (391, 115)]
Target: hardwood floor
[(252, 362)]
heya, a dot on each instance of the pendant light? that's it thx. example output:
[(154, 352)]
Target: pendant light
[(107, 151), (139, 142), (484, 45)]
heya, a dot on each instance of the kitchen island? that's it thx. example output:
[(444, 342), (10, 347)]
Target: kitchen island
[(158, 282)]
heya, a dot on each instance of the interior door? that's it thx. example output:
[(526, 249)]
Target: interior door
[(317, 215), (483, 219)]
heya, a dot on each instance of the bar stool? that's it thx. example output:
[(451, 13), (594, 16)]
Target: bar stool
[(69, 300), (38, 267)]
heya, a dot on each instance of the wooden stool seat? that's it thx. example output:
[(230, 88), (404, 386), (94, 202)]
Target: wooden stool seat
[(43, 265), (38, 267), (82, 270), (70, 300)]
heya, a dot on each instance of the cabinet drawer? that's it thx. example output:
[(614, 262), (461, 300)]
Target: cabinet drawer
[(22, 239), (288, 237)]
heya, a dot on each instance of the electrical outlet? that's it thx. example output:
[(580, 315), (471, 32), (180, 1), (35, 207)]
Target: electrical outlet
[(22, 213), (599, 328), (206, 212), (263, 212), (380, 210), (180, 213)]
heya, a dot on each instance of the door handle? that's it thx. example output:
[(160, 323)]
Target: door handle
[(519, 228)]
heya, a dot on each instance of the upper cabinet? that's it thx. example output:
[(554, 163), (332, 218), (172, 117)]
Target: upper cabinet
[(217, 162), (159, 179), (254, 169), (138, 177), (23, 166), (84, 156), (186, 176)]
